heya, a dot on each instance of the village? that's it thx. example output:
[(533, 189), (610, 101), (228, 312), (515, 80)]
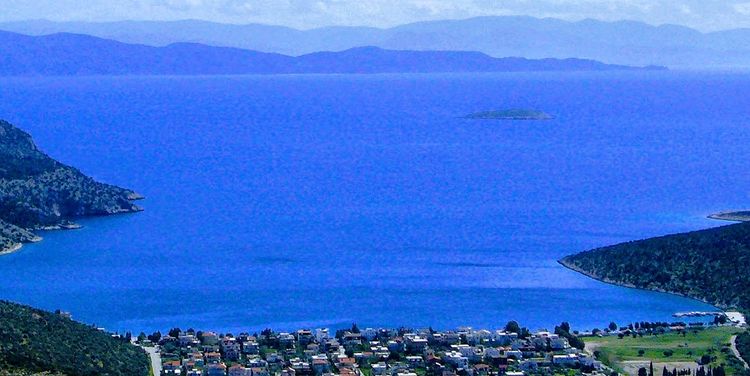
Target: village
[(371, 352)]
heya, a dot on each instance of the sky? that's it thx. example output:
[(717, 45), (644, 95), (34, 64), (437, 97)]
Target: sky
[(706, 15)]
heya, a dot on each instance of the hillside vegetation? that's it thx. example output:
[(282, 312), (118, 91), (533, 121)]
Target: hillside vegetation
[(711, 265), (34, 341), (743, 345), (37, 191)]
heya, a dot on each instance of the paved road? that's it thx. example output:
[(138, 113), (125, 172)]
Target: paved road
[(737, 352), (155, 358)]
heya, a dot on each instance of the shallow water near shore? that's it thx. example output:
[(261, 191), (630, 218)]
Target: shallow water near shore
[(304, 201)]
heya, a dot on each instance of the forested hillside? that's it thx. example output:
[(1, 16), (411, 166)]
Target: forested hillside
[(35, 341), (711, 265), (743, 345)]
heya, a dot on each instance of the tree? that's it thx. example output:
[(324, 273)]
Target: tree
[(174, 332), (513, 327), (612, 326), (155, 337), (642, 371), (705, 359), (565, 326), (564, 331)]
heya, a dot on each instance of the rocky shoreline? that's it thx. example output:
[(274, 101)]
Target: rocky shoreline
[(8, 247), (732, 216), (40, 193), (608, 281)]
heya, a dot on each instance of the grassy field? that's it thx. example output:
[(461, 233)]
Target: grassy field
[(671, 349)]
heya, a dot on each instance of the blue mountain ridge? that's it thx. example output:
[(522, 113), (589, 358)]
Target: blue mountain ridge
[(65, 54)]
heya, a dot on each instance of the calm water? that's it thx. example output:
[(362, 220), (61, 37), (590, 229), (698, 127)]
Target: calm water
[(287, 202)]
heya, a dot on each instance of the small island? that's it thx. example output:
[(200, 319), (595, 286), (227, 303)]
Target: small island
[(734, 216), (512, 114)]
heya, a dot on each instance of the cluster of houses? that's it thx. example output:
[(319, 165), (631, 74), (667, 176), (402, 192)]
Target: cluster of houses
[(370, 352)]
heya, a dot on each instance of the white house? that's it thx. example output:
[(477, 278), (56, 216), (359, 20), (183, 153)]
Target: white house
[(322, 334)]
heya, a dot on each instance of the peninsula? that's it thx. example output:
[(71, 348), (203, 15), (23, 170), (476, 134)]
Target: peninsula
[(733, 216), (709, 265), (40, 193)]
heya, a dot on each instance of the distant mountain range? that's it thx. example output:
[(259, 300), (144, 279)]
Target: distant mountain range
[(73, 54), (625, 42)]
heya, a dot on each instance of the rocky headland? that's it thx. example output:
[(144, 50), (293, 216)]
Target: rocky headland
[(733, 216), (40, 193)]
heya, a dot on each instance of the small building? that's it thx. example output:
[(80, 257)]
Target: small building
[(218, 369)]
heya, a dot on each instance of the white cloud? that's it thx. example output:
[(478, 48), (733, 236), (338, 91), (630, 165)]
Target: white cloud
[(743, 8)]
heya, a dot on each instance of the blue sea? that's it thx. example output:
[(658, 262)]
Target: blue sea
[(308, 201)]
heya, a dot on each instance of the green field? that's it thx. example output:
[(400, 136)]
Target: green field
[(667, 348)]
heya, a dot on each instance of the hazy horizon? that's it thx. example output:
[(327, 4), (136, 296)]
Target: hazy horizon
[(705, 16), (199, 20)]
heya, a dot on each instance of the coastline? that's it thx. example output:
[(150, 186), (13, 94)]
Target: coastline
[(17, 246), (576, 269), (13, 248), (67, 225), (731, 216), (737, 216)]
